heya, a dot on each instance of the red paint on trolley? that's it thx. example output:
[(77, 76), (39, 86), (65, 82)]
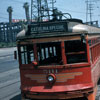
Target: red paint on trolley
[(63, 52), (74, 66)]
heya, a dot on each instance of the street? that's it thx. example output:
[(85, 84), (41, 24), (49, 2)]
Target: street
[(10, 77)]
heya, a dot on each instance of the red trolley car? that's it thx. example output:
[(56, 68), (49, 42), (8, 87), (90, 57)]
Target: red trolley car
[(59, 60)]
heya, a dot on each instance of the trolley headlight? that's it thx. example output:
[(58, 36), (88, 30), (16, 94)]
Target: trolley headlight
[(51, 78)]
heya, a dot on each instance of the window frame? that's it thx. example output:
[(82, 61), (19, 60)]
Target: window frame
[(76, 52), (27, 59)]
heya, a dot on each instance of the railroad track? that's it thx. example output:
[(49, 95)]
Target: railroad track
[(10, 96), (9, 84), (6, 58), (6, 55), (1, 87), (98, 93), (9, 89)]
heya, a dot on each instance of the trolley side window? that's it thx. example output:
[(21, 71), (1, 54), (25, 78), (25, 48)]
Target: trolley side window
[(27, 54), (75, 51), (49, 53)]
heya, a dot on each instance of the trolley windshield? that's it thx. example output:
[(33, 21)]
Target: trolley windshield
[(51, 53)]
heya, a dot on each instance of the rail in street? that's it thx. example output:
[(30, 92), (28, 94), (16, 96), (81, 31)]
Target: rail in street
[(9, 75)]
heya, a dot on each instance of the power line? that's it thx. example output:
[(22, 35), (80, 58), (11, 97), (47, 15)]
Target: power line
[(73, 11), (20, 2), (3, 17), (90, 7), (4, 14), (17, 1)]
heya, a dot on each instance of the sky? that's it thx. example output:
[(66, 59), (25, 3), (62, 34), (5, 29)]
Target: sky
[(77, 8)]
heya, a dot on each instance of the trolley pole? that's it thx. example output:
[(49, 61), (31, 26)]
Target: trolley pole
[(87, 11)]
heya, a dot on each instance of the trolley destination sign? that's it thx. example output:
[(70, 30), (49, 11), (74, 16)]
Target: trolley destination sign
[(48, 28)]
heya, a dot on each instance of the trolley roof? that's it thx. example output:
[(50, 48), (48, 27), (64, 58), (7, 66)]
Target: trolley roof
[(57, 29)]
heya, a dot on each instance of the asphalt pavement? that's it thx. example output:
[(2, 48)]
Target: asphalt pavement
[(9, 75)]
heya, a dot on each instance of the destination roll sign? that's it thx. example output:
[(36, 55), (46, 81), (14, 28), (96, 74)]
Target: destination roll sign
[(48, 27)]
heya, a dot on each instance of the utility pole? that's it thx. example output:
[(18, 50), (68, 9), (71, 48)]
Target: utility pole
[(89, 10)]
